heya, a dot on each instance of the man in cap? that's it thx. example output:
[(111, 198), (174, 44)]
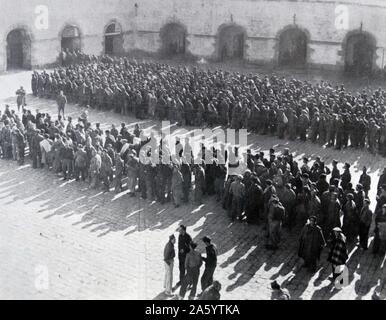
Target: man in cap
[(311, 244), (210, 263), (169, 254), (184, 240), (338, 255)]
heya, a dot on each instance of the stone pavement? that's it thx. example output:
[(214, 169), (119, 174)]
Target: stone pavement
[(60, 240)]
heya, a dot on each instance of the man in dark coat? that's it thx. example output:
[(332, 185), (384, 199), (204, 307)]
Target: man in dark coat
[(311, 244), (365, 181), (381, 181), (350, 219), (365, 219), (187, 179), (322, 185), (346, 176), (332, 214), (210, 263), (184, 240), (335, 173)]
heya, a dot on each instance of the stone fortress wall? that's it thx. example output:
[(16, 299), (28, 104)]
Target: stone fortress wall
[(308, 33)]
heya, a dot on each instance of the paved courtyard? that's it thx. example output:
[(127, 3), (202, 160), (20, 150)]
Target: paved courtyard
[(61, 240)]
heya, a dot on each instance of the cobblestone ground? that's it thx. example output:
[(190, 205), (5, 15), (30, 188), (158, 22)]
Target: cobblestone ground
[(61, 240)]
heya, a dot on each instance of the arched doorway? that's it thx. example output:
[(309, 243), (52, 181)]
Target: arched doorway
[(360, 54), (231, 42), (173, 37), (71, 38), (18, 50), (113, 39), (293, 47)]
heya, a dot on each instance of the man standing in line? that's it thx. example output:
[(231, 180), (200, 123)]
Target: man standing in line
[(169, 254), (210, 263), (184, 240), (61, 100)]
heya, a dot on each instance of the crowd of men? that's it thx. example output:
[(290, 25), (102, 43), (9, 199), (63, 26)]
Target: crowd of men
[(69, 57), (293, 109), (270, 189)]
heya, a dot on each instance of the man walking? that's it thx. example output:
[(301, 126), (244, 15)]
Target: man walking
[(169, 254)]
